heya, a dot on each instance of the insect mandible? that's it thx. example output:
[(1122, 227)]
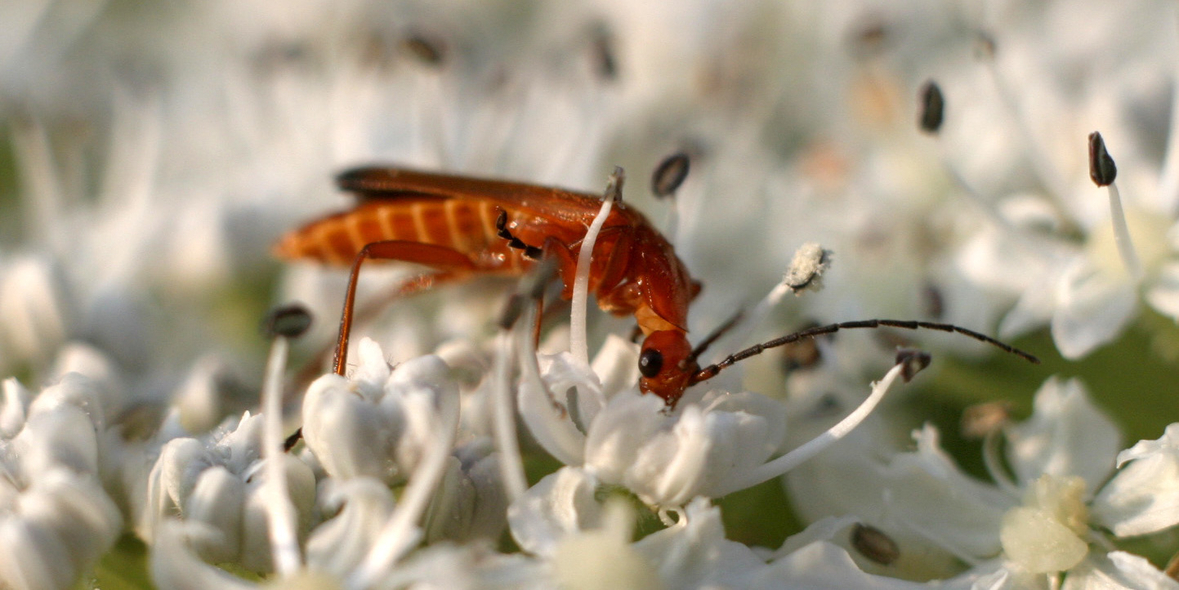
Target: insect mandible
[(462, 227)]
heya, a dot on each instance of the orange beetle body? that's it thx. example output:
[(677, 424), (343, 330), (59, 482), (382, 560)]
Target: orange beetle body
[(449, 223)]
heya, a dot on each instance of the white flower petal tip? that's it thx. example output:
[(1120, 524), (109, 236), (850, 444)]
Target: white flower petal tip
[(220, 484), (14, 407), (36, 314), (1091, 309)]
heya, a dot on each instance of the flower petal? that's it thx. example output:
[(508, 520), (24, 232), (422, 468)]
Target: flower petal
[(1143, 497), (1066, 435), (1092, 308), (562, 503)]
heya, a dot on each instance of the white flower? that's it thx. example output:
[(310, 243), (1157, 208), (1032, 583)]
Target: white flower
[(220, 483), (699, 449), (55, 518), (356, 510), (54, 525), (377, 423), (1060, 248), (1046, 520)]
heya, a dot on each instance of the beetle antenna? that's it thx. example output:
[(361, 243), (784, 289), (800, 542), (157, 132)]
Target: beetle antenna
[(711, 371), (720, 330)]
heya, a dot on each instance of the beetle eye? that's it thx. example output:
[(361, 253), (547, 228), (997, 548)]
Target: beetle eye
[(650, 361)]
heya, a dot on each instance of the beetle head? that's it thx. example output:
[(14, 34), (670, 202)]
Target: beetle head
[(666, 365)]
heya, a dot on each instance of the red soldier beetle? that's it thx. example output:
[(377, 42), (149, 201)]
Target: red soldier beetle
[(462, 227)]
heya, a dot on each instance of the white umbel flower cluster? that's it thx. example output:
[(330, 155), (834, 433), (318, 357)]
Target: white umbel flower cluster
[(154, 153)]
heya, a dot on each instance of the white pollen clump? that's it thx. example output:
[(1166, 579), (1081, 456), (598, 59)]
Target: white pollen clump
[(806, 270)]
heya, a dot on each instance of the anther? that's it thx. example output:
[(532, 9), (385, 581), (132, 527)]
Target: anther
[(913, 360), (1102, 169), (290, 321), (982, 419), (875, 544), (429, 51), (933, 106), (670, 174)]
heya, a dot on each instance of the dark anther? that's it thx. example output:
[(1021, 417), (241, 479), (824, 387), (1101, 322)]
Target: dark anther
[(913, 362), (670, 174), (427, 50), (290, 321), (933, 106), (292, 440), (875, 544), (614, 186), (603, 46), (1101, 166)]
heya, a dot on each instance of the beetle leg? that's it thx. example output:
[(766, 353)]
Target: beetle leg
[(566, 263), (447, 260), (501, 227)]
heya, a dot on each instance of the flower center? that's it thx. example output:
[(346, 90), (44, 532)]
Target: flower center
[(1148, 231), (1045, 534)]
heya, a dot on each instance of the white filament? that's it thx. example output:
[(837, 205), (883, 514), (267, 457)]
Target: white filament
[(812, 447), (577, 332), (511, 465), (1122, 233), (280, 513)]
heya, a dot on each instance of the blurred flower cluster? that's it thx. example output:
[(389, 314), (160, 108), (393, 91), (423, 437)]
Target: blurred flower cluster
[(932, 161)]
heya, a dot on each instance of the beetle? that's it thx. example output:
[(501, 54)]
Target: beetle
[(462, 226)]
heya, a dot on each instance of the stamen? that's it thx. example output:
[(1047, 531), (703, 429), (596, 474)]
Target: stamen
[(804, 453), (994, 465), (669, 175), (875, 544), (547, 420), (44, 200), (577, 332), (933, 107), (511, 464), (283, 323), (932, 113), (810, 261), (1103, 172)]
